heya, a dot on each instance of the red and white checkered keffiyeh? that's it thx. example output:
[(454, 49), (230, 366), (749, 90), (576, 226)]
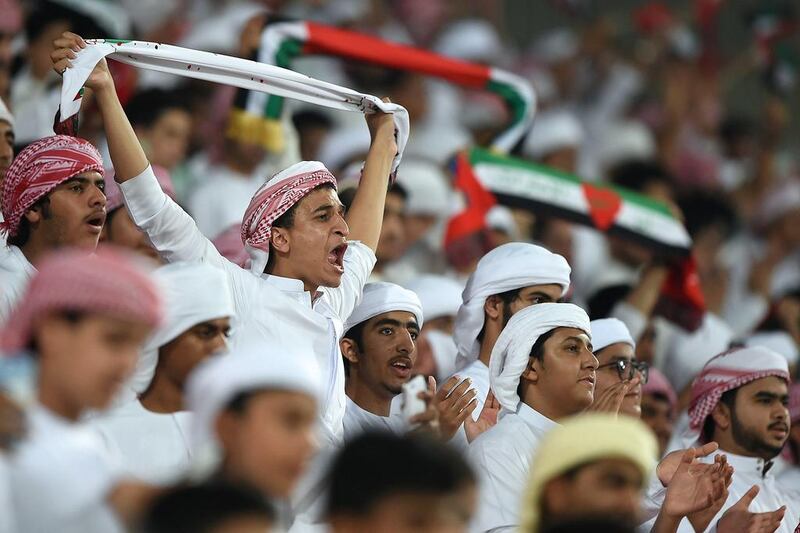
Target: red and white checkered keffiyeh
[(731, 370), (272, 200), (109, 282), (41, 167)]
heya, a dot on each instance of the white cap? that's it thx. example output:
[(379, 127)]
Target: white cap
[(440, 295), (501, 218), (382, 297), (621, 141), (471, 40), (556, 46), (263, 366), (428, 188), (551, 131), (777, 341), (608, 331)]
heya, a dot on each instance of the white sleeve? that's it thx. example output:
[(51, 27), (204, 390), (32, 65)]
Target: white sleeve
[(497, 491), (359, 259), (654, 498), (631, 317), (170, 229)]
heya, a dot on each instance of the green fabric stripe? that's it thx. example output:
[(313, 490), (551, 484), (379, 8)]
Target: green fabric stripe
[(479, 155), (510, 96), (287, 51), (117, 41)]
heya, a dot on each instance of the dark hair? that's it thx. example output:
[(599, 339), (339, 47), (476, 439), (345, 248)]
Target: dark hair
[(729, 399), (349, 194), (355, 334), (24, 231), (367, 471), (203, 508), (702, 210), (308, 118), (637, 175), (146, 107), (47, 12), (601, 303), (507, 298)]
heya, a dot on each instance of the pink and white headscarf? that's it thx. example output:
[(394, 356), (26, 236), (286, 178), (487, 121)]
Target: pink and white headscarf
[(109, 282), (40, 168), (728, 371), (794, 403), (272, 200)]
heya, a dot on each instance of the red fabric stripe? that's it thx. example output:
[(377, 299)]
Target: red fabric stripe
[(334, 41), (473, 218)]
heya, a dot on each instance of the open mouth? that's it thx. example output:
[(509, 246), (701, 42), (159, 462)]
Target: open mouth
[(401, 366), (336, 257), (96, 220)]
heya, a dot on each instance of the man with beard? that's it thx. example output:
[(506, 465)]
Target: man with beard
[(740, 401)]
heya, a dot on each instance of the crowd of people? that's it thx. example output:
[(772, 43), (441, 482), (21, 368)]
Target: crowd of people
[(200, 333)]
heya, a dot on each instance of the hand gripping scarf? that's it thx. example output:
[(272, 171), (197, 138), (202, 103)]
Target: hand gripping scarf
[(272, 200), (108, 283), (512, 351), (40, 168), (227, 70), (727, 371)]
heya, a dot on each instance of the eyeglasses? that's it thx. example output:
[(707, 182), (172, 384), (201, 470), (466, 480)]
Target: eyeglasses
[(627, 369)]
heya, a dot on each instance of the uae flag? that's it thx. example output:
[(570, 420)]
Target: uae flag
[(257, 115)]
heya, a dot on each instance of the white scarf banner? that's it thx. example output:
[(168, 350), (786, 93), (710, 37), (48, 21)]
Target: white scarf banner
[(226, 70)]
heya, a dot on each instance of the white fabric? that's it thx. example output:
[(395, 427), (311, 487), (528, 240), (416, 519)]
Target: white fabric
[(777, 341), (5, 114), (780, 201), (215, 212), (502, 457), (691, 351), (440, 295), (444, 353), (428, 188), (479, 374), (620, 141), (511, 266), (34, 102), (748, 471), (344, 146), (608, 331), (15, 273), (255, 367), (501, 218), (152, 447), (358, 421), (382, 297), (312, 329), (193, 293), (556, 45), (551, 131), (471, 40), (234, 71), (511, 352), (7, 523), (62, 476)]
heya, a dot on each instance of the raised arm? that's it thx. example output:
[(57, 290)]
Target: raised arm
[(126, 152), (365, 215)]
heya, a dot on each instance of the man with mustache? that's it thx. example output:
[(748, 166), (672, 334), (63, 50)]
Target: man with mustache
[(52, 196), (740, 401)]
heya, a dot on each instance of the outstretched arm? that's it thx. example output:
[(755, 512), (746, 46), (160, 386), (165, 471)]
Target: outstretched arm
[(126, 152), (365, 215)]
